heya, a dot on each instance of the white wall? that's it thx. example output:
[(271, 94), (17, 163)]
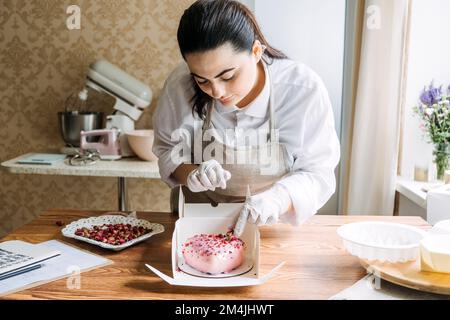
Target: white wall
[(249, 3), (310, 31), (429, 58)]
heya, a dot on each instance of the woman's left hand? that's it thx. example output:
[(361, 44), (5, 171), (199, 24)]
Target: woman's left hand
[(266, 207)]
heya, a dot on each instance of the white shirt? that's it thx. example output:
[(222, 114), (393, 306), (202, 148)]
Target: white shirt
[(303, 116)]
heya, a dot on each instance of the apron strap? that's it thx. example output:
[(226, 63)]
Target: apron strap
[(271, 111), (207, 121)]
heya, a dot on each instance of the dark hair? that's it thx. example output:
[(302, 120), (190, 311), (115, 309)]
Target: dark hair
[(208, 24)]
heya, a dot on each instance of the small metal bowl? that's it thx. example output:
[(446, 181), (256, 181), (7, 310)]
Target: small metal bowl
[(72, 122)]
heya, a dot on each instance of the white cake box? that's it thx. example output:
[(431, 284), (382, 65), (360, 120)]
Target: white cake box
[(197, 218)]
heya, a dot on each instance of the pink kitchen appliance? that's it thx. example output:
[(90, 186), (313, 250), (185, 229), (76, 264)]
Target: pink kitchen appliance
[(108, 145)]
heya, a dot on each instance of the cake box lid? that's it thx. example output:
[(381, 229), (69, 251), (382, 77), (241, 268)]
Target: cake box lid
[(213, 220)]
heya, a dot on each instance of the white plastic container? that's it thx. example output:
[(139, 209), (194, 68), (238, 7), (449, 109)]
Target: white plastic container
[(442, 227), (438, 204), (382, 241), (435, 253), (198, 218)]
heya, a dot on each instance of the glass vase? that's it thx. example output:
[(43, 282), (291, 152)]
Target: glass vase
[(441, 154)]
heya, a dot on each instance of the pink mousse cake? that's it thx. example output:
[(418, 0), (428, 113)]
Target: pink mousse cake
[(214, 253)]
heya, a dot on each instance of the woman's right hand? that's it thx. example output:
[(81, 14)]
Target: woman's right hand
[(208, 176)]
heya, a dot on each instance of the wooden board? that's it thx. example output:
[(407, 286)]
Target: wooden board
[(409, 275)]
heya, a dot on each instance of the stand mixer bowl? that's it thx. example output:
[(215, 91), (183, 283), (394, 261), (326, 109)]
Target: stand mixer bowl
[(72, 122)]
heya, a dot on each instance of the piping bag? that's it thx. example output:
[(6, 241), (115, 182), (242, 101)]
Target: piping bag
[(242, 219)]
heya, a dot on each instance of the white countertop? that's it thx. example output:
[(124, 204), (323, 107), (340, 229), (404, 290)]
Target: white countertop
[(415, 190), (127, 167)]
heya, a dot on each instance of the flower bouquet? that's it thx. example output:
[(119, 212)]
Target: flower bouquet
[(434, 111)]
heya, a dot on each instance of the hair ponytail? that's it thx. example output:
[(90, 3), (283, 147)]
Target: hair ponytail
[(208, 24), (269, 51)]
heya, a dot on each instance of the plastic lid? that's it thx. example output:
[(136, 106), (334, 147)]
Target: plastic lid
[(442, 227)]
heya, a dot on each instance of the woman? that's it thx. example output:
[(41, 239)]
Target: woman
[(233, 82)]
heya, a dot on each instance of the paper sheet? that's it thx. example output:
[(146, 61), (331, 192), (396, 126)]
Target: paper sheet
[(72, 261), (374, 288)]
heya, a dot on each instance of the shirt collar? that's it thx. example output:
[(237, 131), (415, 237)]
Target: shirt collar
[(258, 107)]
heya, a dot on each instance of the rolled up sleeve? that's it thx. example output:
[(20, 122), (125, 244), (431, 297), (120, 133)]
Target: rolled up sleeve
[(165, 122)]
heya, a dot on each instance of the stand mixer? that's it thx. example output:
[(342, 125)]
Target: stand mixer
[(131, 98)]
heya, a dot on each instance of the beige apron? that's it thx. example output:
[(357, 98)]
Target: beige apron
[(257, 166)]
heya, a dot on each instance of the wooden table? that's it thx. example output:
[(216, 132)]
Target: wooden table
[(317, 266)]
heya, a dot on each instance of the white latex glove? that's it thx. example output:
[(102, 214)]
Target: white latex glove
[(208, 176), (265, 208)]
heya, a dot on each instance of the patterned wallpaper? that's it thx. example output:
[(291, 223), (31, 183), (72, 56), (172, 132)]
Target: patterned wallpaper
[(41, 62)]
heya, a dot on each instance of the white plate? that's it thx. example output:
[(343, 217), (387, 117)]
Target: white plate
[(382, 241), (245, 267), (69, 230)]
